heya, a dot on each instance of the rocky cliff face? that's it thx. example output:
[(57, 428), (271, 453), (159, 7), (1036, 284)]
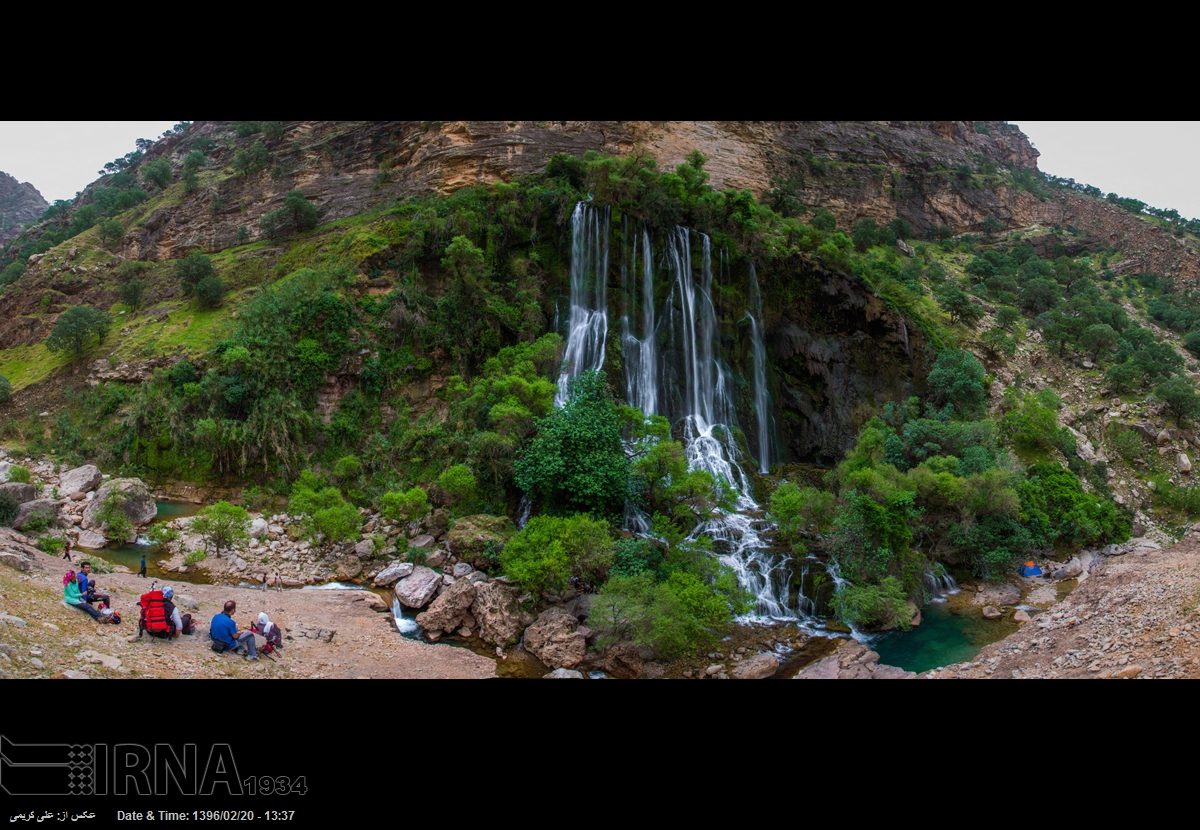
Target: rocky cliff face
[(19, 203), (856, 169)]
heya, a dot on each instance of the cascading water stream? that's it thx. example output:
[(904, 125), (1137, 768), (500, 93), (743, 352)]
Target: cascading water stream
[(589, 295), (762, 406)]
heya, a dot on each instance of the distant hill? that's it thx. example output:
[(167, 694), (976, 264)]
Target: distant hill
[(19, 203)]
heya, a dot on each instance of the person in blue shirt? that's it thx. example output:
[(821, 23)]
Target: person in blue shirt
[(225, 635), (87, 586)]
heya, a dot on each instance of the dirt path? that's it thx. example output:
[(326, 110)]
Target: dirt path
[(1135, 616), (364, 643)]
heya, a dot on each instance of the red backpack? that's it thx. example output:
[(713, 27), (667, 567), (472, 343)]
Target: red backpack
[(154, 615)]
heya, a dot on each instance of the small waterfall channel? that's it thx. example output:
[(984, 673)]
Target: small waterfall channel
[(674, 368)]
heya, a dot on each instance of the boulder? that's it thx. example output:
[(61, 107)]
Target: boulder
[(824, 669), (31, 511), (106, 660), (1163, 438), (1184, 463), (1021, 616), (991, 613), (892, 673), (758, 667), (422, 541), (185, 601), (479, 539), (563, 674), (496, 613), (364, 549), (624, 660), (554, 640), (1070, 570), (258, 528), (418, 588), (15, 561), (450, 610), (80, 480), (135, 500), (348, 567), (436, 558), (20, 491), (393, 573), (438, 521), (372, 601), (5, 467), (91, 539)]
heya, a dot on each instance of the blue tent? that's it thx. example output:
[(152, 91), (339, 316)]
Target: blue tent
[(1030, 569)]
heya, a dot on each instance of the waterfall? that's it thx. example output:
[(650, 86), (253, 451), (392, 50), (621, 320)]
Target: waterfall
[(940, 583), (589, 300), (673, 367), (641, 359), (904, 331), (523, 510), (762, 406), (405, 625)]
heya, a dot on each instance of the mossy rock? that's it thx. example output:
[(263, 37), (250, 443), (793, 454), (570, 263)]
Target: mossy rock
[(479, 539)]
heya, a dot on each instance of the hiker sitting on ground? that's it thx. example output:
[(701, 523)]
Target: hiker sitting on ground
[(269, 630), (225, 634), (88, 587), (179, 624), (72, 597)]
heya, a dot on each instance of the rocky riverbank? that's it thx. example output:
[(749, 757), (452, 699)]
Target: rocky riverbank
[(1133, 615)]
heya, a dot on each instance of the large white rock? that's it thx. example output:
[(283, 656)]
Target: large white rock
[(91, 539), (393, 574), (1185, 463), (257, 528), (136, 501), (417, 589), (80, 480)]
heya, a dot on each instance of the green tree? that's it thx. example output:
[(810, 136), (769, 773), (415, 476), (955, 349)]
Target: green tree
[(111, 231), (957, 378), (192, 269), (297, 215), (824, 220), (549, 550), (577, 459), (465, 261), (1099, 339), (209, 292), (157, 172), (75, 327), (5, 390), (223, 525), (8, 508), (957, 303), (1180, 397), (132, 293), (992, 226), (865, 235)]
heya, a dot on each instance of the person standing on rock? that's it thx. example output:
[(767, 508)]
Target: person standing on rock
[(142, 572), (67, 552)]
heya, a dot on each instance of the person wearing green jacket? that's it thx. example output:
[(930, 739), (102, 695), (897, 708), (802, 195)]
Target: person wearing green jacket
[(72, 596)]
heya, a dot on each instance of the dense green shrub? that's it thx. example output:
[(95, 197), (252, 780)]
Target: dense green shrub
[(5, 390), (297, 215), (8, 508), (327, 512), (408, 506), (19, 474), (548, 551), (458, 483), (577, 458), (192, 269), (957, 378), (884, 605)]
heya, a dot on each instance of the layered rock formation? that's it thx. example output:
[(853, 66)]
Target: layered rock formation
[(19, 203)]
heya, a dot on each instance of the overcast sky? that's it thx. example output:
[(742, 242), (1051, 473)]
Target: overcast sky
[(60, 158), (1155, 161)]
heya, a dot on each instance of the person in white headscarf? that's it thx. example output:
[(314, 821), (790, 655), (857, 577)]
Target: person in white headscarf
[(178, 623), (269, 630)]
